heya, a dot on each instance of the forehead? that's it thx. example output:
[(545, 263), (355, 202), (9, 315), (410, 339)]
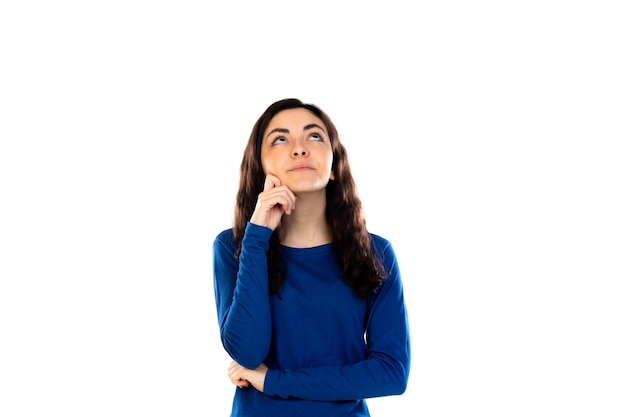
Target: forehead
[(294, 119)]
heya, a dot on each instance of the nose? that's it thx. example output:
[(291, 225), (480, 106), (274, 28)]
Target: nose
[(298, 149)]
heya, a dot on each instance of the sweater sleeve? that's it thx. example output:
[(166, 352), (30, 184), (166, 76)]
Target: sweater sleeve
[(385, 371), (241, 295)]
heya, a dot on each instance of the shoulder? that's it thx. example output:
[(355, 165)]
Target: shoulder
[(381, 245), (383, 249), (227, 234), (225, 239)]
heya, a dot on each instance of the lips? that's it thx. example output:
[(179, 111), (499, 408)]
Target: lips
[(301, 168)]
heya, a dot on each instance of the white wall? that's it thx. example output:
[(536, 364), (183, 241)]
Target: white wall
[(485, 139)]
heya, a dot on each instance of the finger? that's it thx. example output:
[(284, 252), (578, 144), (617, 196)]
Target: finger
[(281, 197), (235, 378), (233, 371), (271, 181), (290, 201), (282, 193), (233, 367)]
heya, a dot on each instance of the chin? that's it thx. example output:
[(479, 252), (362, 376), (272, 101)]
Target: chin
[(304, 190), (304, 186)]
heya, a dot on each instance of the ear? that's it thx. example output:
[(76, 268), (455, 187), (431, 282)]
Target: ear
[(332, 175)]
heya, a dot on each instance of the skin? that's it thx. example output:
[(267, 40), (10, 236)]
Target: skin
[(297, 157)]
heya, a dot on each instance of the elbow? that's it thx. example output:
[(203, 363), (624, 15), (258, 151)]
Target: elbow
[(248, 355), (250, 361), (401, 381), (402, 386), (403, 369), (393, 375), (397, 376)]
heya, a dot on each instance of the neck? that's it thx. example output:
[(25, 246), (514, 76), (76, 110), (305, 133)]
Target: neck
[(306, 226)]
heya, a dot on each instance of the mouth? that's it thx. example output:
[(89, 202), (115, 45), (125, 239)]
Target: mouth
[(301, 168)]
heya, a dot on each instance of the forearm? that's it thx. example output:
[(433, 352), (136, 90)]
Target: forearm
[(245, 319), (374, 377)]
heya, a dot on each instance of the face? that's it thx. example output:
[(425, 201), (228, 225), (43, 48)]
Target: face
[(296, 148)]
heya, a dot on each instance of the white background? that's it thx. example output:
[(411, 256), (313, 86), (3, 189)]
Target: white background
[(486, 139)]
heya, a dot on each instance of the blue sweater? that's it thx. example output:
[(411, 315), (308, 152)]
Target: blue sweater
[(326, 349)]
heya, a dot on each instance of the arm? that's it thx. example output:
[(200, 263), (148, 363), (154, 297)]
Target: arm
[(241, 295), (241, 288), (385, 371)]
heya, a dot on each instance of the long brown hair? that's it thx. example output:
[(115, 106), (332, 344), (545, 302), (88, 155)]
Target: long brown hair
[(360, 266)]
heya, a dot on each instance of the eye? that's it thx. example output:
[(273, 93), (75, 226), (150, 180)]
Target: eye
[(279, 140), (317, 137)]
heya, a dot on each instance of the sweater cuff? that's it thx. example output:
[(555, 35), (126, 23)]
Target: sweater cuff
[(258, 232), (271, 384)]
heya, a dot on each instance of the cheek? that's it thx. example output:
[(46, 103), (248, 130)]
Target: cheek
[(265, 163), (267, 166), (330, 167)]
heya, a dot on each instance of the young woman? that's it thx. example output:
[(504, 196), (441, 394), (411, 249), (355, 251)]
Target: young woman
[(310, 304)]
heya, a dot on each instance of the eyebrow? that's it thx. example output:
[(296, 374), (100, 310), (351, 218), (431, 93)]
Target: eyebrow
[(312, 126), (277, 130), (306, 127)]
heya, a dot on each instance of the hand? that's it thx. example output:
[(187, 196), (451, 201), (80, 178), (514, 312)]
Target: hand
[(243, 377), (273, 202)]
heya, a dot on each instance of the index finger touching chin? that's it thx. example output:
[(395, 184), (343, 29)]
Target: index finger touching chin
[(271, 181)]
